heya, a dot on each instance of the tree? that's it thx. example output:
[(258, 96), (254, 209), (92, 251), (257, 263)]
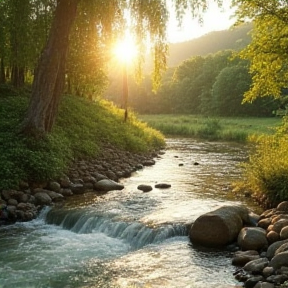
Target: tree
[(50, 73), (228, 90), (268, 51), (24, 27), (148, 19)]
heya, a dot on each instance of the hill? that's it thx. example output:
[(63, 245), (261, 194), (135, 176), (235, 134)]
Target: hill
[(234, 38)]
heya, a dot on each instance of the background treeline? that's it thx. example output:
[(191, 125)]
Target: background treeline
[(211, 85), (24, 30)]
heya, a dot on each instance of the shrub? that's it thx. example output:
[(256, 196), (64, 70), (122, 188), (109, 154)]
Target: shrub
[(266, 172)]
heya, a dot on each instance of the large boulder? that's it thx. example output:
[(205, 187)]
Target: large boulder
[(219, 227), (252, 238)]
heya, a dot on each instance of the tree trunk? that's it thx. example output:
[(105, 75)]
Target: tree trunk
[(17, 76), (49, 78), (2, 72)]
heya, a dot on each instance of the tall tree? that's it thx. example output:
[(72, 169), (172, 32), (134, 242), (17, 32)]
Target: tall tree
[(50, 73), (149, 20)]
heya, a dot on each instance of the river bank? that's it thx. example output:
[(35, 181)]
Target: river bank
[(25, 203)]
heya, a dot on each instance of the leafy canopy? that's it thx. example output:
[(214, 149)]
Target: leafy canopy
[(268, 49)]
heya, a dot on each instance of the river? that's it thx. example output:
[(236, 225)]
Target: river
[(129, 238)]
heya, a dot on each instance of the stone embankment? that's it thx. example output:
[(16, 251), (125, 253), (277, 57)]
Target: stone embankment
[(260, 242), (100, 175)]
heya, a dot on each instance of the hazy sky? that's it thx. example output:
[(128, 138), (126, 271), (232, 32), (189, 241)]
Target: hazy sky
[(215, 19)]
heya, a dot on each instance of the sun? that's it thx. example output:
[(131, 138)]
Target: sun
[(126, 49)]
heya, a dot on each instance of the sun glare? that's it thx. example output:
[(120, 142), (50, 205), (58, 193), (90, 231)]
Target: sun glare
[(126, 50)]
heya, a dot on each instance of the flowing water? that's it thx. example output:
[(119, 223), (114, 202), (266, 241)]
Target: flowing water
[(129, 238)]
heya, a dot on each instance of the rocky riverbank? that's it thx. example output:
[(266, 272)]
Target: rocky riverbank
[(99, 175), (260, 242), (263, 255)]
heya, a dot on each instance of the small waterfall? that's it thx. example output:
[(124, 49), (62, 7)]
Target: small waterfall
[(137, 234)]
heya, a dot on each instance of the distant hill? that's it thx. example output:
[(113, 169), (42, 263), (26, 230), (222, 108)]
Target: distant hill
[(234, 38)]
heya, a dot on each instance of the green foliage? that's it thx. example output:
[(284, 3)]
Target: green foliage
[(268, 50), (82, 128), (266, 172), (212, 86)]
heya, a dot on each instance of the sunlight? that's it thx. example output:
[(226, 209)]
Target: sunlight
[(126, 50)]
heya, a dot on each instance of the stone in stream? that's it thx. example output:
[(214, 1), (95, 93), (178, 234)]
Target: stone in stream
[(252, 238), (162, 185), (219, 227), (107, 185), (145, 188)]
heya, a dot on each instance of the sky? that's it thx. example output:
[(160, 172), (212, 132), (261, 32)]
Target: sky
[(215, 19)]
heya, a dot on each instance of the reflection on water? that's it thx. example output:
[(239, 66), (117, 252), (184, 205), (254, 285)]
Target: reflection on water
[(129, 238)]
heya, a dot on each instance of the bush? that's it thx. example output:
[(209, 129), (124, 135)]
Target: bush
[(266, 172)]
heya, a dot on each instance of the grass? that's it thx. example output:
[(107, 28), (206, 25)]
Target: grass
[(226, 129), (82, 127)]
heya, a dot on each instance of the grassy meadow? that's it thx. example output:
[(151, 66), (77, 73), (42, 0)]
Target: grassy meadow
[(218, 128)]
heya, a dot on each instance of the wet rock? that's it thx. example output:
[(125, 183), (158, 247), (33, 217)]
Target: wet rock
[(279, 260), (282, 248), (66, 192), (162, 185), (277, 279), (65, 182), (256, 266), (283, 206), (98, 176), (145, 188), (42, 199), (56, 197), (219, 227), (284, 233), (272, 236), (54, 186), (77, 188), (252, 238), (107, 185), (268, 271), (12, 212), (252, 281), (277, 227), (89, 179), (264, 223), (273, 247), (261, 284), (149, 162), (240, 258)]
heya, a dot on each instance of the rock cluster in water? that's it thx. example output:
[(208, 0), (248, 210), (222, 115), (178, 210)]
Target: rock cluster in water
[(261, 242), (263, 257), (100, 175)]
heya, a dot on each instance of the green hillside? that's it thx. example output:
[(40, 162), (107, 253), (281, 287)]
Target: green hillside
[(234, 39)]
